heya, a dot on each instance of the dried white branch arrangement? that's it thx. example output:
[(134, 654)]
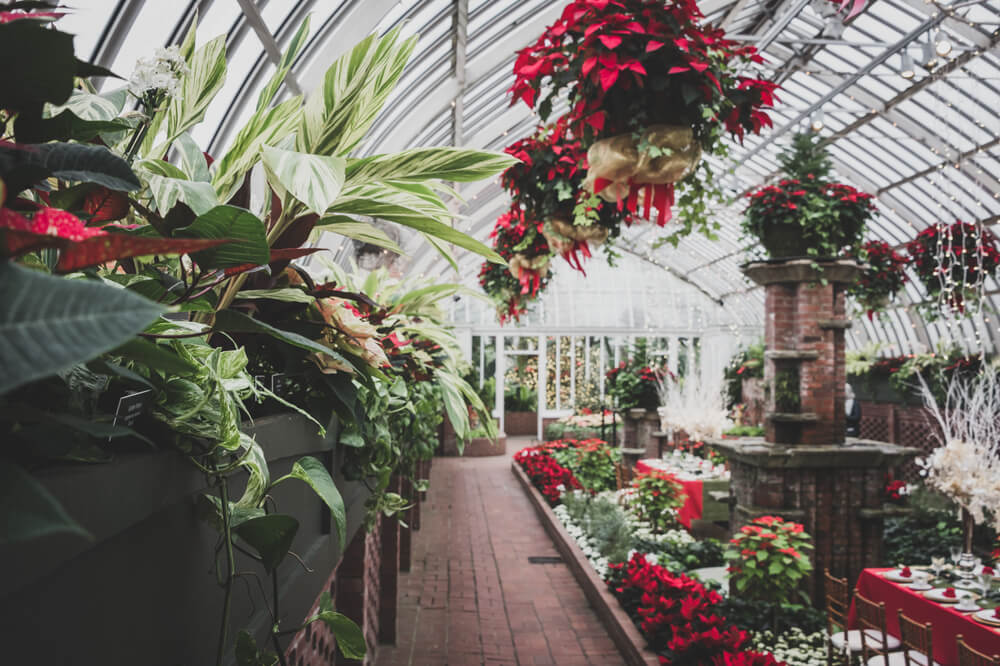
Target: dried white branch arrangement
[(966, 467), (695, 405)]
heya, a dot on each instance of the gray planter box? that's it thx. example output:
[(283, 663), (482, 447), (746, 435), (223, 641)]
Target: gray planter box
[(144, 592)]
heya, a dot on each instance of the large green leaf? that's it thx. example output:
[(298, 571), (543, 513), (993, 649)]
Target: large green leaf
[(75, 162), (28, 510), (200, 197), (413, 206), (359, 231), (287, 295), (155, 357), (348, 635), (88, 106), (420, 164), (315, 180), (266, 127), (271, 89), (38, 66), (48, 324), (339, 113), (193, 162), (313, 472), (205, 76), (271, 536), (237, 322), (247, 231)]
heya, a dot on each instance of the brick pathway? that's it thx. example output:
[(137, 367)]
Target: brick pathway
[(472, 598)]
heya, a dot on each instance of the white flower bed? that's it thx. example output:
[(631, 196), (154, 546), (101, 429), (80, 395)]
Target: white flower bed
[(795, 647), (586, 544)]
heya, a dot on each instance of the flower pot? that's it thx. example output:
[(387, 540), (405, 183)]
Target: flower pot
[(784, 239)]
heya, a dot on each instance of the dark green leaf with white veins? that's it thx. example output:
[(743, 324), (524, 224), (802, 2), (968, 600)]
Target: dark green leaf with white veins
[(48, 324)]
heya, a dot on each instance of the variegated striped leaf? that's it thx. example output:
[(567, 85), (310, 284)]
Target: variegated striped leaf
[(315, 180), (359, 231), (86, 106), (339, 113), (265, 127), (271, 89), (419, 164)]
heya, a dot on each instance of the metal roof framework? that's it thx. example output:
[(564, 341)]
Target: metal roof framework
[(928, 147)]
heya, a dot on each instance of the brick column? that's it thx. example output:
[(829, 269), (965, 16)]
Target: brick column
[(802, 470)]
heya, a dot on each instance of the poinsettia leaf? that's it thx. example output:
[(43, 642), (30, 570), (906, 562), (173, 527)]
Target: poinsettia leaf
[(101, 249), (35, 80), (49, 324), (271, 536), (14, 242), (245, 230), (23, 165)]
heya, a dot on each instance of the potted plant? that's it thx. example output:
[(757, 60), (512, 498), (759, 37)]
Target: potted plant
[(805, 214), (952, 262), (649, 90), (548, 181), (882, 278)]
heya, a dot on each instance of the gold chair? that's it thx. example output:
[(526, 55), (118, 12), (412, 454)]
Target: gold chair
[(876, 644), (969, 657), (918, 643), (839, 638)]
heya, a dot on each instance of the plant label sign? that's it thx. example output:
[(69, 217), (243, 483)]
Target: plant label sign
[(131, 406)]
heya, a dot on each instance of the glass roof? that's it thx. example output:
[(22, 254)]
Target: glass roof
[(928, 146)]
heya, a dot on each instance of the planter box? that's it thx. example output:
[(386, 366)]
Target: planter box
[(620, 627), (517, 424), (478, 447), (144, 591)]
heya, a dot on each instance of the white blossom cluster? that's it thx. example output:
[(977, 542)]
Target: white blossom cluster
[(587, 544), (794, 647), (158, 75)]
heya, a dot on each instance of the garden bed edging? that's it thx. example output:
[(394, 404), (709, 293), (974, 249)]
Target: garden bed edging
[(620, 627)]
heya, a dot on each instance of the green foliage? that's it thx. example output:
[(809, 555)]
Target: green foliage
[(806, 158), (930, 530), (682, 555), (746, 363), (520, 398), (592, 463), (657, 498), (604, 522), (759, 615), (745, 431), (768, 561), (786, 390)]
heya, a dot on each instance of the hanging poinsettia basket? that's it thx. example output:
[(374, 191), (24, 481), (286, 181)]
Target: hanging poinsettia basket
[(547, 183), (521, 242), (805, 214), (883, 277), (952, 262), (651, 89), (504, 290)]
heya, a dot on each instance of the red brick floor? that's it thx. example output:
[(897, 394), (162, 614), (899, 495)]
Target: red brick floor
[(471, 596)]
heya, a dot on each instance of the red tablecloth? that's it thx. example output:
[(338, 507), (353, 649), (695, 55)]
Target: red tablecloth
[(947, 621), (693, 506)]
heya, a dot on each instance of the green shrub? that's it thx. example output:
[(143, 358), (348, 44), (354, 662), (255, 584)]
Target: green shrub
[(604, 522), (745, 431), (657, 497)]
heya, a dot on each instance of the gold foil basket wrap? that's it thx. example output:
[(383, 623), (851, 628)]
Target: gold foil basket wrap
[(618, 160)]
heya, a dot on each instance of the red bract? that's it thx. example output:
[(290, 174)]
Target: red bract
[(551, 478), (884, 276), (49, 222), (632, 63), (952, 260), (677, 615)]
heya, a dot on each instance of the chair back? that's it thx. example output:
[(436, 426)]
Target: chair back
[(838, 598), (915, 637), (970, 657), (871, 621)]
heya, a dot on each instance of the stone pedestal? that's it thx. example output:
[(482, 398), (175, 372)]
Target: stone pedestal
[(640, 424), (835, 490), (803, 469)]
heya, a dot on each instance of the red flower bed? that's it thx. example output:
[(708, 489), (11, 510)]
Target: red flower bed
[(551, 478), (679, 617)]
